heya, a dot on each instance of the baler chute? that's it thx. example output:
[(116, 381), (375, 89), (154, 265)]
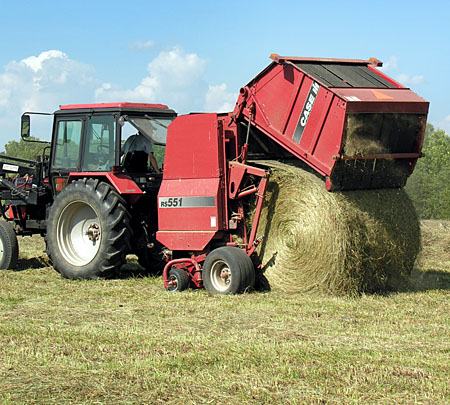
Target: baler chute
[(348, 121)]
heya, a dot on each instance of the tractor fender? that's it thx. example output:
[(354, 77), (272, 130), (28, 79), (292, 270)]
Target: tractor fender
[(122, 183)]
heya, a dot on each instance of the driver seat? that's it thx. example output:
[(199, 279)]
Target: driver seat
[(136, 162)]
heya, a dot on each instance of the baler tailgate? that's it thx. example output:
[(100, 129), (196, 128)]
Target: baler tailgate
[(348, 121), (378, 151)]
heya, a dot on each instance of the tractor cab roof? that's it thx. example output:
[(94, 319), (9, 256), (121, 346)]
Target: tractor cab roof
[(124, 108)]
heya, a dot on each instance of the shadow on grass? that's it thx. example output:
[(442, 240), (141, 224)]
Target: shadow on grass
[(429, 280), (131, 270), (128, 270), (32, 264), (420, 281)]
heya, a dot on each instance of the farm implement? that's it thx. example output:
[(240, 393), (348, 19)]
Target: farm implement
[(196, 223)]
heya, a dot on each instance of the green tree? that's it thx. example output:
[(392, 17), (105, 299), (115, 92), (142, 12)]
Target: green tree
[(429, 185), (24, 149)]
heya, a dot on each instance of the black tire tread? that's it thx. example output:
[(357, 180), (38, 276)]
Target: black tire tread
[(10, 246), (116, 228), (241, 267), (182, 279)]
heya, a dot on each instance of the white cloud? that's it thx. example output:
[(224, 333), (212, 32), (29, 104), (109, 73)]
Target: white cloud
[(445, 125), (144, 44), (390, 65), (41, 83), (391, 68), (174, 78), (218, 99), (405, 79), (35, 63)]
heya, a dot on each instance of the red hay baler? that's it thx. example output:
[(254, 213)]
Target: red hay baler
[(344, 120)]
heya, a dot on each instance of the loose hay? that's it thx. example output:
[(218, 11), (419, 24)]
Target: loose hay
[(435, 253), (342, 243), (360, 139)]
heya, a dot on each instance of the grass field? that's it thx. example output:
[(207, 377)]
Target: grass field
[(130, 341)]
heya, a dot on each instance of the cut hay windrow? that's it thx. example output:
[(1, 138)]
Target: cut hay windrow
[(344, 243), (435, 253)]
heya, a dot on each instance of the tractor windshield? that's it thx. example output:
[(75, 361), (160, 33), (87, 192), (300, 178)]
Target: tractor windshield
[(153, 128)]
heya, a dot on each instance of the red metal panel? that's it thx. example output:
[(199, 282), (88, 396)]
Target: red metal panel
[(316, 120), (189, 213), (192, 213), (60, 183), (192, 241), (300, 101), (372, 61), (121, 182), (278, 98), (383, 100), (193, 149), (112, 105), (279, 85), (330, 140)]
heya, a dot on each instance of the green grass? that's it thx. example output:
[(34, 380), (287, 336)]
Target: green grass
[(130, 341)]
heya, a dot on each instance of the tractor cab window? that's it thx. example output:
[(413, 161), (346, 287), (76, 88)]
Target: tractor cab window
[(99, 143), (67, 147), (154, 129)]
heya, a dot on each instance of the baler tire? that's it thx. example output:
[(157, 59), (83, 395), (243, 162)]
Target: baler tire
[(249, 271), (181, 279), (9, 248), (228, 270), (86, 212)]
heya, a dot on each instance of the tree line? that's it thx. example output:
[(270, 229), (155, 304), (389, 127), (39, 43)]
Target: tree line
[(428, 187)]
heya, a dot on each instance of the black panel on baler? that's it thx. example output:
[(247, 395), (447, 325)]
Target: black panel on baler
[(344, 75)]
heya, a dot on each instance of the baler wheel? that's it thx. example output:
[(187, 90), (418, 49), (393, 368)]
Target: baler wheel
[(9, 248), (88, 233), (228, 270), (178, 279)]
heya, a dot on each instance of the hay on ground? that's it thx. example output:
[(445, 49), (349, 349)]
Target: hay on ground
[(341, 243), (435, 253)]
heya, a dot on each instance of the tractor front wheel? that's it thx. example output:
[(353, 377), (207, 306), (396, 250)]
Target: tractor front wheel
[(88, 232), (9, 249), (228, 270)]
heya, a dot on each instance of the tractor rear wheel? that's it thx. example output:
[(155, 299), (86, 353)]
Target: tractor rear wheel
[(228, 270), (88, 232), (9, 248)]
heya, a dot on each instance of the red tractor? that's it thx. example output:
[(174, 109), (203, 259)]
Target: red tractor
[(192, 221)]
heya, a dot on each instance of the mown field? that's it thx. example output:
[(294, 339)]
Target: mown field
[(129, 341)]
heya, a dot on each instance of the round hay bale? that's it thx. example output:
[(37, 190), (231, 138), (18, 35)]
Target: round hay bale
[(343, 243)]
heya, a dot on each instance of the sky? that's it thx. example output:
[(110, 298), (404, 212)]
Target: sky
[(195, 55)]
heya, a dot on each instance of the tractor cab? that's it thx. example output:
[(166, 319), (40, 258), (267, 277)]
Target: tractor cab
[(89, 138)]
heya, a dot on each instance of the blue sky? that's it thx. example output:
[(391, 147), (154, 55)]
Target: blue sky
[(194, 56)]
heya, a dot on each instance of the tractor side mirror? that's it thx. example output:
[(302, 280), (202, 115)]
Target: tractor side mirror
[(25, 126)]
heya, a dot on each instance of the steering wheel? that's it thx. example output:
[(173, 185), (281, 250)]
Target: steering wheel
[(103, 152)]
